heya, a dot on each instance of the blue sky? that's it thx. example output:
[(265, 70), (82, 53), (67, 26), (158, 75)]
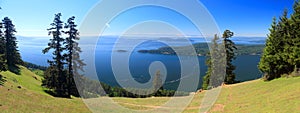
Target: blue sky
[(244, 17)]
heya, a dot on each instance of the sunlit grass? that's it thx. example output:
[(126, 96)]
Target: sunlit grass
[(31, 97), (280, 95)]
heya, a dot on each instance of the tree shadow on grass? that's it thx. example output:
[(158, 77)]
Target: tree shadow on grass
[(15, 70), (2, 80), (50, 92)]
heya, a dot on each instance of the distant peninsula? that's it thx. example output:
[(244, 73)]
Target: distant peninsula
[(202, 49)]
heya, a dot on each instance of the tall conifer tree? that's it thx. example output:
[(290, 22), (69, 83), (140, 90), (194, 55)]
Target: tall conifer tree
[(2, 51), (74, 62), (230, 56), (57, 75), (212, 77), (13, 57)]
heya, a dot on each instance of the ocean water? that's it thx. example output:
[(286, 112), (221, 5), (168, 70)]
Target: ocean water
[(139, 64)]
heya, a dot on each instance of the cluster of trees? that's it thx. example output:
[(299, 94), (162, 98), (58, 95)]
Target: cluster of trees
[(281, 55), (66, 63), (9, 53), (64, 69), (219, 61)]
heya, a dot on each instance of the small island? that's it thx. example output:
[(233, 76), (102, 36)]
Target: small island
[(122, 51)]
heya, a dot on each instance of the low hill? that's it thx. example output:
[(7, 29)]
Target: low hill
[(23, 93), (280, 95)]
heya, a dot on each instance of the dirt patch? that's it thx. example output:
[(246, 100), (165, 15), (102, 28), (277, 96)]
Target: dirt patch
[(218, 107), (155, 107)]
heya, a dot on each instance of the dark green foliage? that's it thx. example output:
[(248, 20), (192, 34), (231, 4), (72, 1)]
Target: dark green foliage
[(34, 66), (66, 63), (213, 77), (271, 56), (230, 56), (219, 61), (91, 89), (282, 53), (74, 63), (1, 80), (57, 78), (50, 77), (13, 57), (3, 66)]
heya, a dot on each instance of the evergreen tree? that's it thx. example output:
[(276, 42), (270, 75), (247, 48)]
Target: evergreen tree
[(57, 76), (73, 55), (213, 77), (2, 51), (284, 59), (282, 53), (295, 25), (268, 60), (11, 52), (157, 82), (230, 56)]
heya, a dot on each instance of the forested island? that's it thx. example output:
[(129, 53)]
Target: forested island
[(202, 49)]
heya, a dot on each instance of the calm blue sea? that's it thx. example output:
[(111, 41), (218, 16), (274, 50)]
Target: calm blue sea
[(139, 63)]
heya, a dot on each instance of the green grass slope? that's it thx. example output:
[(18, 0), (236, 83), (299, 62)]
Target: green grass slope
[(31, 96), (277, 96)]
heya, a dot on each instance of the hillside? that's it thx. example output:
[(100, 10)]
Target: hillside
[(31, 96), (281, 95), (277, 96)]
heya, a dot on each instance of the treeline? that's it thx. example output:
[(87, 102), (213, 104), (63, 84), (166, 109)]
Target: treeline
[(10, 57), (202, 49), (281, 57), (91, 89), (34, 66)]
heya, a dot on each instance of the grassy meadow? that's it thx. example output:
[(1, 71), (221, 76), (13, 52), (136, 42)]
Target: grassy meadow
[(23, 93)]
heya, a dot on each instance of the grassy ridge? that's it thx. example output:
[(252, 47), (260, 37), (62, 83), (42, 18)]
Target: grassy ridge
[(280, 95), (31, 96)]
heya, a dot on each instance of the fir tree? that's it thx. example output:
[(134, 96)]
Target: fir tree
[(12, 54), (213, 78), (230, 56), (57, 76), (295, 25), (281, 55), (74, 62), (2, 51), (268, 59)]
